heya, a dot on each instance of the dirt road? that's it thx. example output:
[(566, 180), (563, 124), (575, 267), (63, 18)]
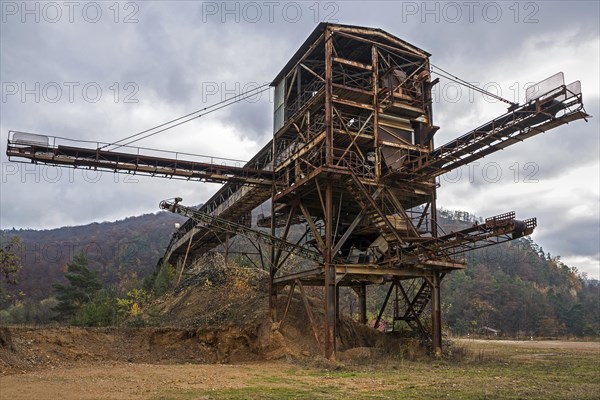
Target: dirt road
[(133, 381), (494, 369)]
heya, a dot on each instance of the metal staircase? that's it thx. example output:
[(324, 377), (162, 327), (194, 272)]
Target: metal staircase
[(367, 202), (415, 309)]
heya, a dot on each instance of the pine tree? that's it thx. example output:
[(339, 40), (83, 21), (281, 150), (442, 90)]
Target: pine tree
[(101, 311), (163, 280), (83, 285)]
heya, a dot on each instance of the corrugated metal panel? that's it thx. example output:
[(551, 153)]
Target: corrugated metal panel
[(278, 118)]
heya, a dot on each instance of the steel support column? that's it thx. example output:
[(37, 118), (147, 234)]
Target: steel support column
[(337, 304), (328, 98), (375, 78), (330, 286), (436, 314), (385, 301), (272, 266), (362, 302)]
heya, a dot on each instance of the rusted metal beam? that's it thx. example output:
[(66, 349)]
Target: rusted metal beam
[(404, 272), (73, 157), (330, 277), (286, 230), (328, 98), (423, 215), (287, 304), (311, 318), (375, 79), (291, 85), (281, 262), (185, 259), (353, 103), (312, 226), (348, 231), (391, 49), (302, 275), (320, 193), (312, 72), (362, 303), (401, 212), (436, 315), (272, 266), (400, 45), (351, 63), (385, 301)]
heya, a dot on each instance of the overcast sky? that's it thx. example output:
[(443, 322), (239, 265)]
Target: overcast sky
[(104, 70)]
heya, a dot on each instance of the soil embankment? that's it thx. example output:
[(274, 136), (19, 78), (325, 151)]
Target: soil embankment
[(219, 314)]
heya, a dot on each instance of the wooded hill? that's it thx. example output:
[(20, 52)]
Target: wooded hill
[(518, 289), (515, 288), (117, 250)]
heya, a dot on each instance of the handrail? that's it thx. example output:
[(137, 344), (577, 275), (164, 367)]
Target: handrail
[(54, 143)]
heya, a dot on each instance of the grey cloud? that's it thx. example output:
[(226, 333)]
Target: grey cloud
[(579, 237), (174, 52), (253, 120), (564, 235), (78, 196)]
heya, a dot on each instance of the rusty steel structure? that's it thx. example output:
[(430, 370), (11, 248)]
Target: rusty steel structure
[(353, 160)]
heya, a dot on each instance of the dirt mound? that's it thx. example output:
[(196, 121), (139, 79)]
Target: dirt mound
[(216, 294), (25, 348), (220, 313), (219, 295)]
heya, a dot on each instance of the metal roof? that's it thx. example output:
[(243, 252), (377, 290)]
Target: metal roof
[(321, 28)]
